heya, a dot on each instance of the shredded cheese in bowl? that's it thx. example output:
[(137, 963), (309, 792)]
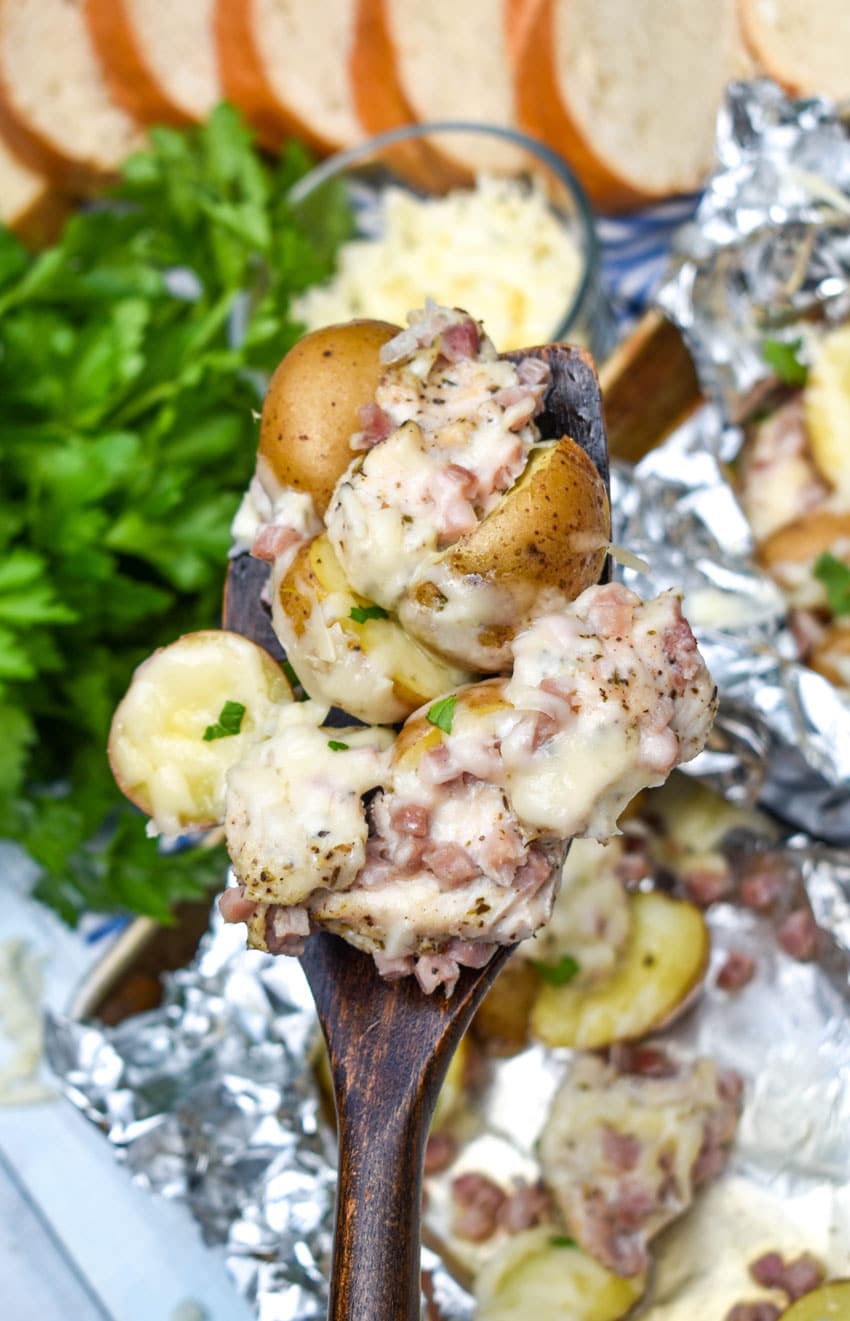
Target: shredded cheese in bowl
[(499, 248)]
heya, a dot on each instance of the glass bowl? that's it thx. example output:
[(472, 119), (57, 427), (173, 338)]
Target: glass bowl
[(506, 232)]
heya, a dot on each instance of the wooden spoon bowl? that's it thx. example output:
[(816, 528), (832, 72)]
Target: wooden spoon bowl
[(389, 1044)]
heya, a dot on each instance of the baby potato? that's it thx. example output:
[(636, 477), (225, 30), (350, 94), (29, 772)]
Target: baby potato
[(189, 714), (545, 542), (345, 650), (831, 655), (662, 966), (831, 1302), (311, 409), (802, 541), (539, 1273), (472, 705)]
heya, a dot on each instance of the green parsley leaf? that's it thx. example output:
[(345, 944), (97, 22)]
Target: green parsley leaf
[(835, 576), (229, 722), (442, 713), (560, 973), (562, 1241), (782, 356), (360, 613), (336, 746)]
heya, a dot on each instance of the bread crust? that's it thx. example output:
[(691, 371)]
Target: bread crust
[(40, 152), (245, 82), (764, 56), (516, 15), (542, 112), (41, 222), (131, 80), (379, 100)]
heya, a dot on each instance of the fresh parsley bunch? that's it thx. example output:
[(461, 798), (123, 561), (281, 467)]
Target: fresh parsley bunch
[(132, 357)]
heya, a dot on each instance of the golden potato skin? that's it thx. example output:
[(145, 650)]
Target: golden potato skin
[(830, 1302), (548, 535), (312, 406), (805, 538), (417, 734), (552, 528)]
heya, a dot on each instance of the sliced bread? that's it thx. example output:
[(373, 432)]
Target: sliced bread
[(803, 46), (29, 206), (516, 15), (379, 101), (284, 64), (55, 107), (158, 56), (627, 94), (451, 62)]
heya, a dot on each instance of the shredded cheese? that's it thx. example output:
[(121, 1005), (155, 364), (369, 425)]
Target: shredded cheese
[(499, 248)]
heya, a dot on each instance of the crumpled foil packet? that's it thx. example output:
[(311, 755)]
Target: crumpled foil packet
[(769, 246)]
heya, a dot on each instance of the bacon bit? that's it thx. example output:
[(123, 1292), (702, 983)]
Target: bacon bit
[(377, 425), (272, 541), (460, 341), (704, 886), (761, 1311), (766, 879), (286, 929), (410, 819), (440, 1151), (451, 864), (621, 1150), (527, 1206), (738, 969), (233, 905), (798, 935), (478, 1201)]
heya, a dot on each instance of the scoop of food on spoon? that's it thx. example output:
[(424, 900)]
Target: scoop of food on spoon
[(423, 553)]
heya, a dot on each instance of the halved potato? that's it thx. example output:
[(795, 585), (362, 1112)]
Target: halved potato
[(831, 1302), (826, 400), (311, 409), (539, 1274), (542, 545), (370, 667), (662, 965), (803, 540), (157, 746), (831, 656), (472, 705)]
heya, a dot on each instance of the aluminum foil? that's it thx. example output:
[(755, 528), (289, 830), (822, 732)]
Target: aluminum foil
[(769, 246)]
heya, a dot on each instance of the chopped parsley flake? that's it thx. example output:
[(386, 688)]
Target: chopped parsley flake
[(360, 613), (336, 746), (782, 356), (835, 576), (558, 974), (229, 722), (442, 713), (562, 1241)]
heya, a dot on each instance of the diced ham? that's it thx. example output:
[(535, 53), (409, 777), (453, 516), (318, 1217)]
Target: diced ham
[(612, 611), (645, 1061), (730, 1084), (376, 424), (802, 1275), (534, 872), (705, 886), (471, 953), (477, 1203), (766, 879), (798, 935), (286, 929), (534, 372), (410, 819), (440, 1151), (450, 863), (527, 1206), (738, 969), (393, 968), (520, 403), (760, 1311), (621, 1150), (460, 340), (233, 905), (767, 1270), (680, 648), (612, 1227), (433, 970), (272, 541)]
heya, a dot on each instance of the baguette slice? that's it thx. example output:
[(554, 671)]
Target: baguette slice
[(803, 46), (284, 62), (29, 206), (55, 108), (158, 56), (451, 62), (627, 94)]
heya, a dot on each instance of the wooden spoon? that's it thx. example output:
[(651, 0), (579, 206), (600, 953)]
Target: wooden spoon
[(389, 1044)]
